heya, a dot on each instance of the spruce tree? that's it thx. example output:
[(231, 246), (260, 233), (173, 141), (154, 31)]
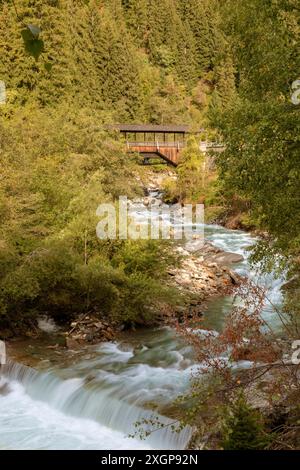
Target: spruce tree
[(136, 14), (201, 18), (50, 77), (243, 428), (225, 89), (117, 65), (186, 64)]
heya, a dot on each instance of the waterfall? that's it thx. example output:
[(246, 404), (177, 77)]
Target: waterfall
[(89, 401)]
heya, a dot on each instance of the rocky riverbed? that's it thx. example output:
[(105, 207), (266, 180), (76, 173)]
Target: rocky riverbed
[(204, 271), (198, 277)]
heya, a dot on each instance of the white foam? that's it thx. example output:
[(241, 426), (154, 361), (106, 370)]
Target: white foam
[(47, 324), (30, 424)]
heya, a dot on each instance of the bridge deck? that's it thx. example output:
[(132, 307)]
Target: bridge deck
[(166, 141), (167, 151), (170, 151)]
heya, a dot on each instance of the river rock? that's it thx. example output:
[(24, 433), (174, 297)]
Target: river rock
[(72, 343), (223, 258), (200, 278), (89, 329), (192, 246)]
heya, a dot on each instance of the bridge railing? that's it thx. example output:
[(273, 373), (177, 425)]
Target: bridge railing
[(215, 145), (204, 145), (157, 144)]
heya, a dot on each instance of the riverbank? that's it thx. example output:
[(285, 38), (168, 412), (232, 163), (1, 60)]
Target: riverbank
[(198, 278), (147, 368), (203, 272)]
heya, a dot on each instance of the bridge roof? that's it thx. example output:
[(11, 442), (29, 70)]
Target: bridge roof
[(152, 128)]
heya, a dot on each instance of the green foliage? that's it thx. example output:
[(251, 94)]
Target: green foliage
[(69, 67), (33, 44), (243, 428), (191, 175), (202, 19), (260, 126), (144, 255), (56, 171), (72, 66), (136, 59), (180, 36), (259, 123), (170, 190)]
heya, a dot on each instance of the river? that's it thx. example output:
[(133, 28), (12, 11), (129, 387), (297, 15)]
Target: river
[(91, 399)]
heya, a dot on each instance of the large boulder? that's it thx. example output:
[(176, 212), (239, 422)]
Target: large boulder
[(224, 259)]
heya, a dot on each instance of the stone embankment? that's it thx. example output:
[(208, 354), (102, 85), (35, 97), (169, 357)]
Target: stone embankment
[(206, 273)]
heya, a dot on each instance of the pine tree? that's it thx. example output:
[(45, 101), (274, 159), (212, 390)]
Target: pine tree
[(186, 65), (47, 77), (85, 80), (136, 14), (224, 85), (117, 65), (243, 428), (201, 18)]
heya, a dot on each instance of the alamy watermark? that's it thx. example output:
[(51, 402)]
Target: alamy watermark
[(139, 222), (2, 353), (295, 98), (296, 353), (2, 92)]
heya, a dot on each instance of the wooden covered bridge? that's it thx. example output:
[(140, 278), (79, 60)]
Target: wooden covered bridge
[(165, 141), (150, 141)]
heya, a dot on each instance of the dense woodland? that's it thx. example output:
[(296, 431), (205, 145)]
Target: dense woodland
[(91, 64), (224, 65)]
